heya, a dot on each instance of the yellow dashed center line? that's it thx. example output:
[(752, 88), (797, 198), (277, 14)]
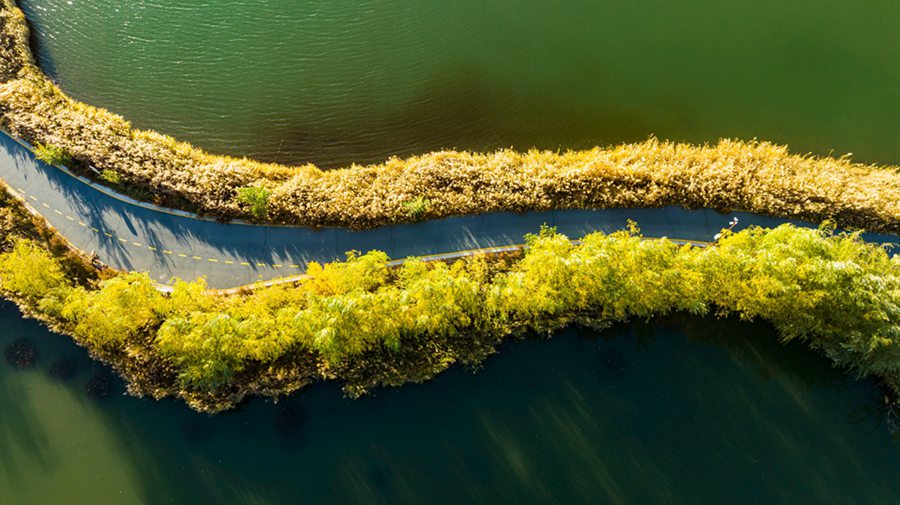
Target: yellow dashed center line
[(164, 251)]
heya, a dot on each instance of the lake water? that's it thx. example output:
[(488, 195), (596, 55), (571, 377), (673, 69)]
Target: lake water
[(679, 411), (341, 81)]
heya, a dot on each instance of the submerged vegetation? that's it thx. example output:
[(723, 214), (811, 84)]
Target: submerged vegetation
[(755, 176), (367, 324)]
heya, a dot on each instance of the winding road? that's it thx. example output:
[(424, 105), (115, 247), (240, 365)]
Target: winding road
[(167, 244)]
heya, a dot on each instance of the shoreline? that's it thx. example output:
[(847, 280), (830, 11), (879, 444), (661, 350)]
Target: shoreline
[(152, 373), (163, 345), (756, 176)]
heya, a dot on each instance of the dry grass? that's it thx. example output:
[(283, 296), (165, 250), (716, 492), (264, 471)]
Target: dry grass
[(755, 176)]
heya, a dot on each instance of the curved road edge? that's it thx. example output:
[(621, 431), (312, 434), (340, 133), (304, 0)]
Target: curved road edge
[(167, 244)]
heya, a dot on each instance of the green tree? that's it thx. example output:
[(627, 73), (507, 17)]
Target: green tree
[(257, 198), (30, 271), (417, 207), (124, 307), (52, 155)]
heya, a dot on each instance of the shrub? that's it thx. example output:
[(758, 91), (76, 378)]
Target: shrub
[(206, 346), (257, 199), (837, 293), (30, 271), (52, 155), (416, 207), (111, 176), (122, 308)]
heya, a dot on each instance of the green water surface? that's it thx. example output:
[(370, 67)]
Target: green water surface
[(341, 81)]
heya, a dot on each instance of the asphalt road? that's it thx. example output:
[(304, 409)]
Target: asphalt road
[(132, 236)]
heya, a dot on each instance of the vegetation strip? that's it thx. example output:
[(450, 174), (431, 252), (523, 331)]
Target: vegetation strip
[(755, 176), (447, 256), (280, 245), (442, 257), (367, 323)]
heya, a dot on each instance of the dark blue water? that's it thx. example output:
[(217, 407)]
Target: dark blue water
[(682, 410)]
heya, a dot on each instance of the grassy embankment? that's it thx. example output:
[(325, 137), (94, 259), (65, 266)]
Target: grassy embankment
[(365, 324), (756, 176)]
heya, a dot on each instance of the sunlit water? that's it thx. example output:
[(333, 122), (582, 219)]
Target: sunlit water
[(336, 82), (684, 411)]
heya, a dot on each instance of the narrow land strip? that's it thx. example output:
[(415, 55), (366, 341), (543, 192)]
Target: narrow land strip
[(141, 238)]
